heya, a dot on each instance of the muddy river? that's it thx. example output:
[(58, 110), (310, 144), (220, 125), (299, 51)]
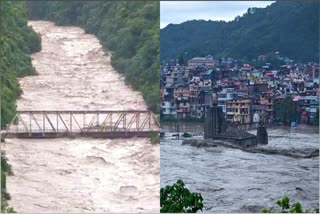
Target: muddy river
[(231, 180), (81, 174)]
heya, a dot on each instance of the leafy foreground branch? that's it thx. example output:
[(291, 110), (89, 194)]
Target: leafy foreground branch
[(178, 199), (285, 206)]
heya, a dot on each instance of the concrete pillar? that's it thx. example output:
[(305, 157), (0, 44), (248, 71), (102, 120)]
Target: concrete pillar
[(262, 135), (214, 122), (208, 124)]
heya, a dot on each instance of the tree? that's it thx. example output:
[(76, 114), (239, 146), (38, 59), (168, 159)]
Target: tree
[(181, 60), (317, 117), (178, 199), (283, 26), (285, 110)]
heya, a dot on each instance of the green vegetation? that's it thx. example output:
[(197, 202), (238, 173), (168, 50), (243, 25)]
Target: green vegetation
[(129, 29), (178, 199), (154, 138), (286, 111), (5, 170), (186, 135), (283, 26), (17, 42), (317, 117), (286, 207)]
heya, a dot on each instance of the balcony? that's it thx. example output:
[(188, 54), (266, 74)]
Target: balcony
[(183, 110), (231, 113)]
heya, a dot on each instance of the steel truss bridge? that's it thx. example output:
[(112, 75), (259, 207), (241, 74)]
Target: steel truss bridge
[(100, 124)]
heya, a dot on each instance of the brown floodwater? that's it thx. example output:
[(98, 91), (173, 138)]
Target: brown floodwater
[(232, 180), (81, 174)]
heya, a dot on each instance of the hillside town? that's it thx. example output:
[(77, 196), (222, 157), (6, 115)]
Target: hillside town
[(283, 93)]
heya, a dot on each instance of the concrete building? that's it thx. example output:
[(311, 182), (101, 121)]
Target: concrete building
[(181, 92), (201, 61), (238, 111), (183, 107), (267, 99), (168, 108), (225, 95)]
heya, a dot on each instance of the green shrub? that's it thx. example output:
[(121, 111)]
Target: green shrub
[(186, 135), (285, 206), (154, 138), (178, 199)]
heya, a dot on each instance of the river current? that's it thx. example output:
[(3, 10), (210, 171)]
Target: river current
[(81, 174), (231, 180)]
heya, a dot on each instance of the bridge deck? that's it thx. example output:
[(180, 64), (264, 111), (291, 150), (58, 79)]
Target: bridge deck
[(109, 135)]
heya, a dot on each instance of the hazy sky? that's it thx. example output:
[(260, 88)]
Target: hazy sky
[(176, 12)]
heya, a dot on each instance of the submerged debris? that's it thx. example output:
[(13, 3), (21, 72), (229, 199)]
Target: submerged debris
[(290, 152)]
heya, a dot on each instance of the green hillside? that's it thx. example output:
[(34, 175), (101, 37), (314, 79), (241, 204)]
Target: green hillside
[(17, 42), (291, 28), (130, 29)]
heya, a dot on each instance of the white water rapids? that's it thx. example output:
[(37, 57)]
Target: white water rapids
[(81, 174)]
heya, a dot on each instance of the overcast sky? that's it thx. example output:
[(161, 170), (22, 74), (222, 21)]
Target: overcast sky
[(176, 12)]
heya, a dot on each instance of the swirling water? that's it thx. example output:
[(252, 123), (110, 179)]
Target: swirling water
[(231, 180)]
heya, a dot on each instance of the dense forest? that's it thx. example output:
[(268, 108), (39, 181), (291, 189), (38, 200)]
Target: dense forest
[(291, 28), (17, 42), (129, 29)]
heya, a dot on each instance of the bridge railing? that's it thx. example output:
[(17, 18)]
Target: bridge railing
[(82, 122)]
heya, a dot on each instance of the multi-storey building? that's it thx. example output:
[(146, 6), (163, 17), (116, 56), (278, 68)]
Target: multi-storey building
[(181, 91), (225, 95), (238, 111), (267, 100), (183, 107), (201, 61), (169, 108)]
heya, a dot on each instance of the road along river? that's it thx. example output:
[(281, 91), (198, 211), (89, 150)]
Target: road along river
[(81, 174), (231, 180)]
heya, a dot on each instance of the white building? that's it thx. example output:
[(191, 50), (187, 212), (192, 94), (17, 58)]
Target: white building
[(225, 95), (168, 108), (200, 61)]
